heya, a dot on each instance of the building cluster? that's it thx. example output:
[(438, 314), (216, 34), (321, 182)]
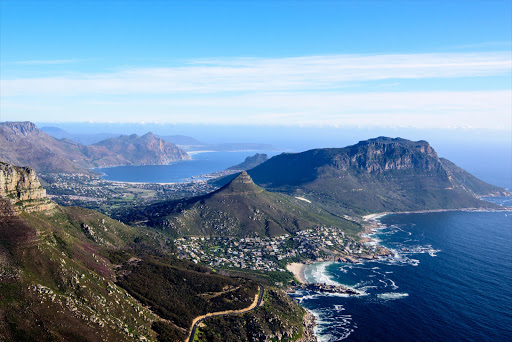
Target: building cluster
[(268, 253)]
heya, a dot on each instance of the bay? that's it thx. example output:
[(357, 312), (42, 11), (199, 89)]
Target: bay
[(180, 171)]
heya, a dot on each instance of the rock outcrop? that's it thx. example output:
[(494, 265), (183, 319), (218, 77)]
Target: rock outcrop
[(20, 186)]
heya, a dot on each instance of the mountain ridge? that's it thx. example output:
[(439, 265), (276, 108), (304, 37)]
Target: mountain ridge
[(375, 175), (22, 143)]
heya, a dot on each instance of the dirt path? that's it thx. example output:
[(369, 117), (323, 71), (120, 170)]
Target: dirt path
[(257, 302)]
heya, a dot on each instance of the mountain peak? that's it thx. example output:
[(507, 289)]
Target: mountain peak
[(242, 183), (23, 128), (149, 135)]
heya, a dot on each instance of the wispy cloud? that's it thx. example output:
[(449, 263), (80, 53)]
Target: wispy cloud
[(477, 109), (265, 74), (281, 91)]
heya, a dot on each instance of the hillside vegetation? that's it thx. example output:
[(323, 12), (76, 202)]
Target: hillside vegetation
[(240, 208)]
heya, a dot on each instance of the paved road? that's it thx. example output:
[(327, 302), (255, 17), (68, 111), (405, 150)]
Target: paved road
[(258, 304)]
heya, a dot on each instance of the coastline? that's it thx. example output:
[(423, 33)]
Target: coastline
[(297, 269), (376, 216)]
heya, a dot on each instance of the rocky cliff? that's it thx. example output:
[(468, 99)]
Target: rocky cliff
[(20, 186)]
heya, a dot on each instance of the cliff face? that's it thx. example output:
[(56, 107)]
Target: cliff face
[(381, 154), (20, 186)]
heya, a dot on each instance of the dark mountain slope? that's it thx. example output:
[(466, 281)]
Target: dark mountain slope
[(240, 208), (381, 174)]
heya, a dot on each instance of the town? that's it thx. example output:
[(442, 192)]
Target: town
[(273, 253)]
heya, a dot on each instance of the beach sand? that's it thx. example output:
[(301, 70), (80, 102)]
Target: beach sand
[(298, 271)]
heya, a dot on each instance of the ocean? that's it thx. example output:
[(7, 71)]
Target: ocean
[(181, 171), (449, 280)]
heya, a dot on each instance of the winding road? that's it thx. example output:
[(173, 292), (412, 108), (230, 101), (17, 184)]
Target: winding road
[(254, 305)]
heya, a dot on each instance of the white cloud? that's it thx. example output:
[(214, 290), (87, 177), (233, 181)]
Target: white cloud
[(478, 109), (264, 74), (281, 91)]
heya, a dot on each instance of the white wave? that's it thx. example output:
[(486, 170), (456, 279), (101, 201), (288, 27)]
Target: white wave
[(392, 295), (318, 274)]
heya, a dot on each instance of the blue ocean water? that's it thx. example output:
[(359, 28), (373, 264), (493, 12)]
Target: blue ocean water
[(450, 280), (181, 171)]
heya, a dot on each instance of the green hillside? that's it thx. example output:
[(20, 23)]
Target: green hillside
[(240, 208)]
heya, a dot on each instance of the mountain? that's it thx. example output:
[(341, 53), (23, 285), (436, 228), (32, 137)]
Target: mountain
[(182, 140), (240, 208), (250, 162), (84, 139), (376, 175), (143, 150), (73, 274), (22, 143)]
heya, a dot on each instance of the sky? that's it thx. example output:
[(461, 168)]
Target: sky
[(406, 64)]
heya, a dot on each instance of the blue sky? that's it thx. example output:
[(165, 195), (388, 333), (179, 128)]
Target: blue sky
[(422, 64)]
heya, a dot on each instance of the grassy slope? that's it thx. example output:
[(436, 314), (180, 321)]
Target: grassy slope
[(240, 210), (57, 284), (280, 315)]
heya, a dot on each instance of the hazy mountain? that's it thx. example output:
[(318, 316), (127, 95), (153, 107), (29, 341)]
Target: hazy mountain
[(240, 208), (143, 150), (182, 140), (22, 143), (250, 162), (375, 175), (84, 139)]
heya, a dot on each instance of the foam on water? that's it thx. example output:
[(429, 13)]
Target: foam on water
[(392, 295)]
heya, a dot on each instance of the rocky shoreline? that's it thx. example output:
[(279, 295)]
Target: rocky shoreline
[(309, 323), (324, 288)]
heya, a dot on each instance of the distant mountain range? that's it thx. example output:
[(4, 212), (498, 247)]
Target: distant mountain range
[(186, 143), (22, 143)]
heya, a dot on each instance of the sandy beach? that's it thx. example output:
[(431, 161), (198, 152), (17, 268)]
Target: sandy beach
[(298, 271)]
